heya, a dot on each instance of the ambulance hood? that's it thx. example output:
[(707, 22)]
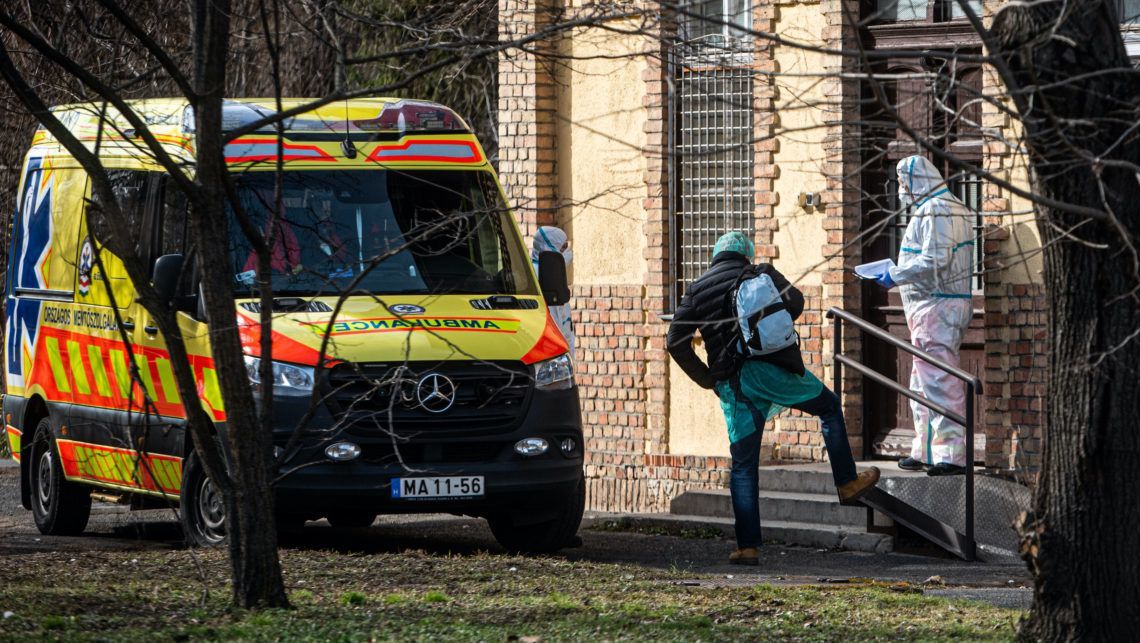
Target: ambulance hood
[(397, 327)]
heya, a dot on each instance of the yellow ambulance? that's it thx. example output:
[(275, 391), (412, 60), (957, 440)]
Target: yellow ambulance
[(395, 263)]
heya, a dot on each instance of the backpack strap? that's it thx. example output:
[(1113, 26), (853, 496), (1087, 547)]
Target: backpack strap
[(728, 310), (766, 311), (758, 418)]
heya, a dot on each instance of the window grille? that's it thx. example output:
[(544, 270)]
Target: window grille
[(712, 156)]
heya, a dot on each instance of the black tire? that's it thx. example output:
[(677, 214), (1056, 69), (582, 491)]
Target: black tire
[(290, 528), (544, 537), (290, 523), (60, 507), (351, 519), (203, 509)]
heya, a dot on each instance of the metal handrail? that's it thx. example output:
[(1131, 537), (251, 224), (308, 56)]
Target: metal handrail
[(973, 388), (875, 331)]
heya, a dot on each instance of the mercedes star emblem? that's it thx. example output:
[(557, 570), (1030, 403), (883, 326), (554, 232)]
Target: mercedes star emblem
[(435, 393), (406, 309)]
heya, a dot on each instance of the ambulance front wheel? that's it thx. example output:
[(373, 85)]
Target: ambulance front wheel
[(203, 510), (60, 508), (544, 537)]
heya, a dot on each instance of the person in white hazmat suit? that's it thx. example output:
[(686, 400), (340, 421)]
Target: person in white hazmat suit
[(552, 239), (934, 275)]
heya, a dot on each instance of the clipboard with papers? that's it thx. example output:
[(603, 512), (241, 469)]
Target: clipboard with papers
[(874, 269)]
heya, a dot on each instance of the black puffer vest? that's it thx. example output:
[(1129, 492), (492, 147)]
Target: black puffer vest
[(704, 308)]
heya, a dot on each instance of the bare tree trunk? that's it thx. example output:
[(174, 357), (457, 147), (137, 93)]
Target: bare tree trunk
[(251, 527), (1081, 542)]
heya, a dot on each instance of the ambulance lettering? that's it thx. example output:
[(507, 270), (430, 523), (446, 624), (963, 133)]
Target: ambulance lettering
[(432, 324)]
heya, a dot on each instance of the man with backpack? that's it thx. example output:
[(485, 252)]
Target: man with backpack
[(744, 313)]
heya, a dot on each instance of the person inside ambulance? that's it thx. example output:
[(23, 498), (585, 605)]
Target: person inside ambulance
[(934, 274), (285, 257), (443, 243), (552, 239)]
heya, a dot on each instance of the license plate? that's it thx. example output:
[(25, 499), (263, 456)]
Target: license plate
[(449, 487)]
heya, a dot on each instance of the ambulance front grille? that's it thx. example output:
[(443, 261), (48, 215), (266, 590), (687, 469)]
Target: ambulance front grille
[(490, 397)]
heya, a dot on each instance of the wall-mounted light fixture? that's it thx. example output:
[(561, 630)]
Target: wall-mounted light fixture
[(810, 199)]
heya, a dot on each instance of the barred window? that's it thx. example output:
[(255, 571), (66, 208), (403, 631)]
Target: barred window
[(712, 133)]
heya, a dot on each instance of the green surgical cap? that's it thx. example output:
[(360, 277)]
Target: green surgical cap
[(734, 242)]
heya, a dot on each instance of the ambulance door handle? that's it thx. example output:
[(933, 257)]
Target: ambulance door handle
[(128, 325), (150, 330)]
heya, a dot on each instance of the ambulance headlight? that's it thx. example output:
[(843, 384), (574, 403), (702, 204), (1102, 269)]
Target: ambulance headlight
[(289, 380), (554, 374)]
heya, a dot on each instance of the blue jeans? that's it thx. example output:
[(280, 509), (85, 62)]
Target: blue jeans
[(745, 480)]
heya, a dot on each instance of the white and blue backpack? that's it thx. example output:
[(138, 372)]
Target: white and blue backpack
[(764, 324)]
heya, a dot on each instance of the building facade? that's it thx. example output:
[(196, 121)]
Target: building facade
[(646, 134)]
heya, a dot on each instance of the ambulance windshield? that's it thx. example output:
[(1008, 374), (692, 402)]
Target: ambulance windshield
[(379, 232)]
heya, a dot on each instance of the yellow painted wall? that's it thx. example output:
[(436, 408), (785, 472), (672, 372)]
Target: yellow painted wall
[(1021, 253), (601, 119), (696, 424), (800, 102)]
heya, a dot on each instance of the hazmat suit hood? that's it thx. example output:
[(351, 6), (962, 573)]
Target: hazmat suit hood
[(922, 180), (550, 239)]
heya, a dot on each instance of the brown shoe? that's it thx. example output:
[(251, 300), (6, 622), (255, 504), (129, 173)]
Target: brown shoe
[(851, 491), (745, 556)]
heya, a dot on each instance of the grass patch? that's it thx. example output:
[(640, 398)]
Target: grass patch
[(301, 596), (417, 596), (353, 598), (394, 599)]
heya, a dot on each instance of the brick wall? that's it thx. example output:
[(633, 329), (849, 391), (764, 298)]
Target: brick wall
[(1016, 344), (796, 433), (626, 469), (842, 201), (527, 105), (1016, 314)]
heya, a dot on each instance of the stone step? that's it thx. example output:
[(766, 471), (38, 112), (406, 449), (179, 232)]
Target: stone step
[(787, 532), (797, 478), (823, 509)]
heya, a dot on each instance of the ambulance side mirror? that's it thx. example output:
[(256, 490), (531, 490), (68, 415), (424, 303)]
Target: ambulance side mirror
[(167, 271), (552, 278)]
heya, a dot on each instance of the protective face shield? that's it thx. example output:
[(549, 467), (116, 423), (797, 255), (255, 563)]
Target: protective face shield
[(568, 255)]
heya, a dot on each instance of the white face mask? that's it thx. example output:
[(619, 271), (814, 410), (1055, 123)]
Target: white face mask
[(568, 254), (905, 198)]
